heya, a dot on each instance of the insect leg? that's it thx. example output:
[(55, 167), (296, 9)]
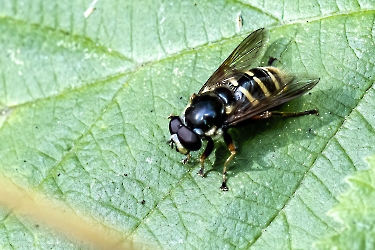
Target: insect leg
[(268, 114), (271, 60), (295, 114), (228, 140), (185, 160), (205, 154)]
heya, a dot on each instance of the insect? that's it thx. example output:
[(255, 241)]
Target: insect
[(235, 93), (239, 21)]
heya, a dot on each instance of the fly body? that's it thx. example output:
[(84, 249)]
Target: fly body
[(233, 94)]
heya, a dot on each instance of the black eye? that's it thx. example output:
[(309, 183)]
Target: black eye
[(189, 139), (175, 124)]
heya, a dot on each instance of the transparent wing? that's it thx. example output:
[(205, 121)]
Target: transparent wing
[(239, 60), (292, 88)]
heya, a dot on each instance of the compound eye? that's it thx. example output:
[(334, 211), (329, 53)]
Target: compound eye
[(175, 124), (189, 139)]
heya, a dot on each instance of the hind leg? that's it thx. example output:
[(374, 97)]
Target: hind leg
[(268, 114)]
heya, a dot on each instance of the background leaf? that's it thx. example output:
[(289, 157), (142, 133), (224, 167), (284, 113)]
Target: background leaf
[(83, 119), (356, 211)]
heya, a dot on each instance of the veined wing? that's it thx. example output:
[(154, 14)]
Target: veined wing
[(238, 61), (292, 88)]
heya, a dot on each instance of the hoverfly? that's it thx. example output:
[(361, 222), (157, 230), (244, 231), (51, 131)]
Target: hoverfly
[(233, 94)]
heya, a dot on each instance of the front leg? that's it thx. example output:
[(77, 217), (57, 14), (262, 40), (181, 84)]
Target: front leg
[(205, 154), (186, 159)]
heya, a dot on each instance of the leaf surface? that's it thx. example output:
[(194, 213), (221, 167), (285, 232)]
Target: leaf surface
[(84, 106)]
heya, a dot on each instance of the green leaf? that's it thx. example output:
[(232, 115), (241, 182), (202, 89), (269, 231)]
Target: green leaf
[(356, 211), (84, 106)]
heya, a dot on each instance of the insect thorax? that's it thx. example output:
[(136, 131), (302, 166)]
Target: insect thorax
[(206, 113)]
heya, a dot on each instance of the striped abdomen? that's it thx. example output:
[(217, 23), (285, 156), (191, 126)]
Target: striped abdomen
[(257, 84)]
